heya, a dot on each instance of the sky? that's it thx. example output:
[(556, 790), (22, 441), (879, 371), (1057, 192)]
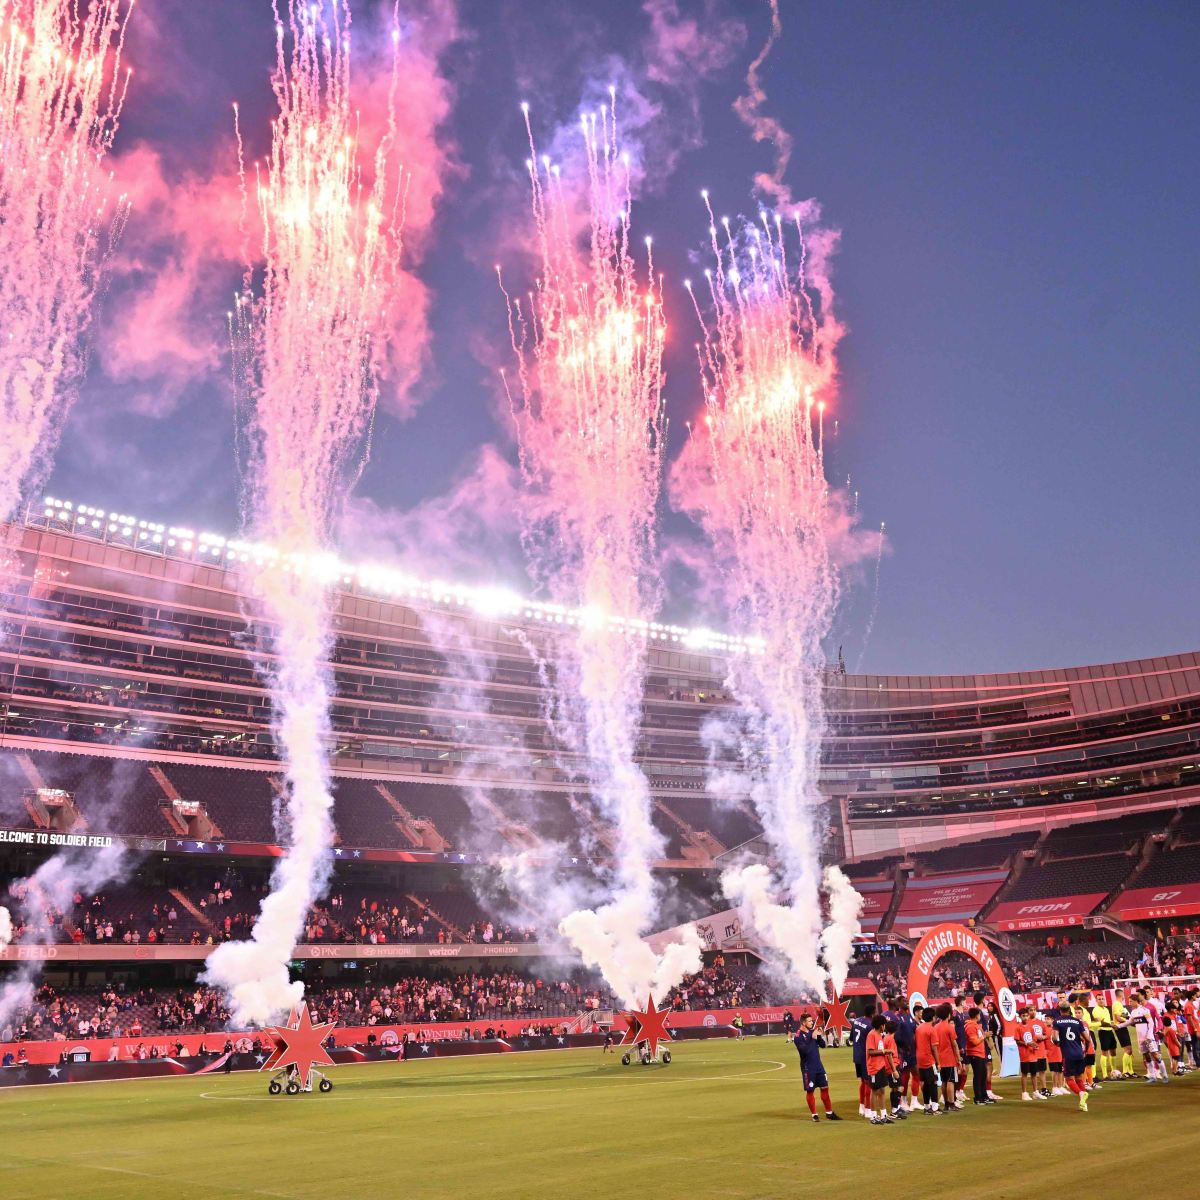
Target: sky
[(1014, 186)]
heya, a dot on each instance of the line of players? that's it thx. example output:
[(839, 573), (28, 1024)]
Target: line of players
[(897, 1052)]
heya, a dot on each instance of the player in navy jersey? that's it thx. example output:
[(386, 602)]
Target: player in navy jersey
[(960, 1036), (906, 1044), (859, 1028), (1074, 1040), (809, 1045)]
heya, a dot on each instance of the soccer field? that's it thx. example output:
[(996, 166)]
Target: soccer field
[(725, 1119)]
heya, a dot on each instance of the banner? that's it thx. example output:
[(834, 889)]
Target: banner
[(933, 899), (128, 1048), (1143, 904), (1049, 913), (876, 895)]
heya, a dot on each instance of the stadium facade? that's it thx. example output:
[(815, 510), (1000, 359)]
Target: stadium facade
[(132, 706)]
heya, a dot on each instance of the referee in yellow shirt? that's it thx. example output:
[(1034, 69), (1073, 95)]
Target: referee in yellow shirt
[(1106, 1040), (1089, 1060), (1119, 1013)]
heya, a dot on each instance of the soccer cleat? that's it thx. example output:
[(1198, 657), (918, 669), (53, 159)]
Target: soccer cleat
[(832, 1116), (1039, 1095), (1026, 1096), (816, 1119), (993, 1096), (1083, 1102)]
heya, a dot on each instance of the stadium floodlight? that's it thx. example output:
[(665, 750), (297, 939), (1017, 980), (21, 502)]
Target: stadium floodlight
[(488, 600)]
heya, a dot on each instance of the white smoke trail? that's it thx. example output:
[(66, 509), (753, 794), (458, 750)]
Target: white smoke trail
[(6, 927), (785, 928), (307, 360), (52, 885), (767, 365), (837, 938), (61, 91), (591, 427)]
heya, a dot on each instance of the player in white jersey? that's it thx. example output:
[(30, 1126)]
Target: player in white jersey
[(1142, 1017)]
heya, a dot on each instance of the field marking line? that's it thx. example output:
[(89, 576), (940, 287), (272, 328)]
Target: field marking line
[(174, 1177), (531, 1089)]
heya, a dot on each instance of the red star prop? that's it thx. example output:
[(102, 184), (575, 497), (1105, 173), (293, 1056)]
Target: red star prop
[(835, 1012), (299, 1043), (649, 1026)]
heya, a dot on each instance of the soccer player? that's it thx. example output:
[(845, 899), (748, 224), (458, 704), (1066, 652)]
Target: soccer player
[(1073, 1039), (1141, 1019), (881, 1066), (1106, 1040), (1119, 1013), (1027, 1051), (809, 1045), (927, 1061), (906, 1040), (977, 1040), (859, 1028), (1081, 1010), (1054, 1059), (960, 1036), (1041, 1031), (948, 1056), (995, 1029), (1171, 1040), (890, 1028)]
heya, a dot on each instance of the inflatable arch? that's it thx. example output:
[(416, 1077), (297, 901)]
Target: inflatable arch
[(951, 939)]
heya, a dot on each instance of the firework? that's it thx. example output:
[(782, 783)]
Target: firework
[(768, 366), (308, 349), (589, 415), (61, 91)]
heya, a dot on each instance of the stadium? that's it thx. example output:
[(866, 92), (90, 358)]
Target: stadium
[(442, 452), (1055, 813)]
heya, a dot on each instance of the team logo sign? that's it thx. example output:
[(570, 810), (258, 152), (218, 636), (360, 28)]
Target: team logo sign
[(1008, 1004), (915, 999)]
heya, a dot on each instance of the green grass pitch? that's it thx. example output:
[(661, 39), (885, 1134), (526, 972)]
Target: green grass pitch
[(725, 1119)]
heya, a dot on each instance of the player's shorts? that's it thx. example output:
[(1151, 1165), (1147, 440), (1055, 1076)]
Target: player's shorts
[(818, 1079), (949, 1074), (987, 1051), (1040, 1064), (929, 1076), (1124, 1038), (860, 1070), (906, 1064), (1147, 1046), (880, 1080), (1072, 1067), (1108, 1041), (1029, 1067), (1089, 1060)]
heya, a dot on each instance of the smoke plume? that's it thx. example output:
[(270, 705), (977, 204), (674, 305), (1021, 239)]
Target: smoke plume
[(837, 938)]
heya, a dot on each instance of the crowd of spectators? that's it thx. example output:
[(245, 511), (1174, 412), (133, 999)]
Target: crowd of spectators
[(717, 987), (227, 910), (466, 996)]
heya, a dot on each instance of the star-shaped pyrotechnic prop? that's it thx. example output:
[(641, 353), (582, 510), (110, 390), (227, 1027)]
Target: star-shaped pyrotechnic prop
[(835, 1012), (299, 1043), (649, 1026)]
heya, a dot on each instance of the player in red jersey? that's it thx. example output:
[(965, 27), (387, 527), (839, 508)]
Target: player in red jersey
[(881, 1066), (1041, 1031), (949, 1058), (927, 1062), (1054, 1062), (1027, 1051)]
